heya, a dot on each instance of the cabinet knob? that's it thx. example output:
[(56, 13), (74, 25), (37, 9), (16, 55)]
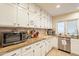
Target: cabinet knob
[(28, 48), (18, 24), (33, 51), (14, 23), (13, 54), (38, 44), (41, 46)]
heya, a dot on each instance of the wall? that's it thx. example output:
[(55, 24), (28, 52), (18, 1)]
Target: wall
[(64, 17), (42, 32)]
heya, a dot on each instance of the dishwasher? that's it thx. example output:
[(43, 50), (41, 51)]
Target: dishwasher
[(64, 44)]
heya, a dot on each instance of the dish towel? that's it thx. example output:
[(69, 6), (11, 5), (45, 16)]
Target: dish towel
[(64, 42)]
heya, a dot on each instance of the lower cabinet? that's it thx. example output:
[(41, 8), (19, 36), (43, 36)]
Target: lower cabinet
[(43, 50), (37, 49), (75, 46), (54, 42), (14, 53), (27, 51), (47, 44), (40, 48)]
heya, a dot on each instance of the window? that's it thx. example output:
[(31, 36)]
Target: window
[(69, 27), (60, 27), (72, 27)]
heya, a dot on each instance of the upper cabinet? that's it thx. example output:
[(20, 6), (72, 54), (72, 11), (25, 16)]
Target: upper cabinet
[(46, 20), (8, 15), (24, 15), (49, 22), (34, 16)]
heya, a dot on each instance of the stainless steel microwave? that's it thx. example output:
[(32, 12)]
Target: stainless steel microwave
[(9, 38)]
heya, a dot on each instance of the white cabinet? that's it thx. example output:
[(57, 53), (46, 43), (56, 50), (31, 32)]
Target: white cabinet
[(46, 23), (22, 17), (34, 16), (37, 49), (47, 44), (46, 20), (49, 22), (40, 48), (50, 43), (43, 50), (27, 51), (14, 53), (31, 19), (55, 42), (37, 23), (75, 46), (31, 15), (42, 19), (24, 5), (8, 15)]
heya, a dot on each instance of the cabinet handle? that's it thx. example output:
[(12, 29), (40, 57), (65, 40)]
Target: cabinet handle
[(18, 24), (28, 48), (33, 51), (41, 46), (14, 23), (13, 54), (38, 44)]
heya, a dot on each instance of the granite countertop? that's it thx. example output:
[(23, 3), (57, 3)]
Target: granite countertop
[(7, 49)]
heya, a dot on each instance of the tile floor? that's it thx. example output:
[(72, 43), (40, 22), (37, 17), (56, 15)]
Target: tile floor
[(56, 52)]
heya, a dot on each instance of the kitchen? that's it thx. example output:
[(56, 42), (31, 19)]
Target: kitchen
[(36, 29)]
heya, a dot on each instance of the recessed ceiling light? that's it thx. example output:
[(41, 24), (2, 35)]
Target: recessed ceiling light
[(57, 6)]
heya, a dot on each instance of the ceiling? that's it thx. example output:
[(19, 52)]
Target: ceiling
[(65, 8)]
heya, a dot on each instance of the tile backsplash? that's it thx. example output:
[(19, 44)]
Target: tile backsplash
[(42, 32)]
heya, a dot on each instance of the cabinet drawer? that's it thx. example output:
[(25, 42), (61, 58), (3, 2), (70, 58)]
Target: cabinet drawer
[(14, 53), (27, 48), (75, 49), (75, 42)]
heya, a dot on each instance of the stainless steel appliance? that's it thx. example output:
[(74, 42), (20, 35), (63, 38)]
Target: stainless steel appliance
[(9, 38), (64, 44), (24, 36), (50, 32)]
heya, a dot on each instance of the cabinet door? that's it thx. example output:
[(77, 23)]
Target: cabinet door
[(75, 46), (14, 53), (37, 49), (22, 17), (8, 15), (47, 46), (55, 42), (46, 23), (27, 51), (50, 18), (42, 20), (37, 23), (24, 5), (49, 22), (42, 47), (31, 19)]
